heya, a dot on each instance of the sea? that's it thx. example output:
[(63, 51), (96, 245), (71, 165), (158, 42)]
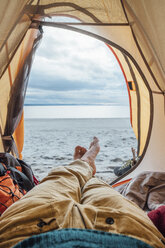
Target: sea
[(50, 142)]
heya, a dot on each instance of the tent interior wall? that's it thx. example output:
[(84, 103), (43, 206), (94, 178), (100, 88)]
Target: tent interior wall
[(133, 29)]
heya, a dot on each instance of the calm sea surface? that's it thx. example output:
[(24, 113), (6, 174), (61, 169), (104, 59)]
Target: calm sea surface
[(50, 112), (51, 142)]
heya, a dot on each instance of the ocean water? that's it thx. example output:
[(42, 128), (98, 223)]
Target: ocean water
[(76, 111), (51, 142)]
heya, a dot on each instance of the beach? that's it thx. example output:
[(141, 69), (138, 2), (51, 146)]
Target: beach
[(50, 143)]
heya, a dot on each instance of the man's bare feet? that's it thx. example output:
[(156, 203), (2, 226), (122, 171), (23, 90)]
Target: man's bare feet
[(91, 154), (79, 152)]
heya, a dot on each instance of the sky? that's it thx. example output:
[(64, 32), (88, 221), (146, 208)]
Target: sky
[(74, 69)]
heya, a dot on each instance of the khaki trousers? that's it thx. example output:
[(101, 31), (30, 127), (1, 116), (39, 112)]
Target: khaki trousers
[(69, 197)]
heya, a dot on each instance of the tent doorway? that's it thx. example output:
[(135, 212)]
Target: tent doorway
[(74, 78)]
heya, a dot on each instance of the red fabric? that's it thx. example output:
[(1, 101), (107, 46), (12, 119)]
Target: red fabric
[(158, 218), (35, 180)]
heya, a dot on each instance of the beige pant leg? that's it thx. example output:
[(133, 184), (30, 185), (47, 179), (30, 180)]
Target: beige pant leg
[(98, 193), (114, 213), (47, 206)]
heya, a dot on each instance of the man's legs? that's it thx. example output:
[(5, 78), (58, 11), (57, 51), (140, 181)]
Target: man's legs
[(60, 202), (51, 204), (114, 213)]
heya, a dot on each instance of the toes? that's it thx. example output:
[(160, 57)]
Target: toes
[(95, 140), (79, 152), (77, 148), (83, 151)]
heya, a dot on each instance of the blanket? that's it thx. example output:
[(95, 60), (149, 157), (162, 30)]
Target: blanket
[(147, 190), (158, 218)]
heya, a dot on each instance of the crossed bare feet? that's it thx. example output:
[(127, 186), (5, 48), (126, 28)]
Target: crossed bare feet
[(88, 155)]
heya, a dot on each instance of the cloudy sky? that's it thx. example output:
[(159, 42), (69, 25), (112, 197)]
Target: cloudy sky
[(71, 68)]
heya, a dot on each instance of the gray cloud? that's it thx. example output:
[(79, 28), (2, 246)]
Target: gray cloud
[(112, 97), (71, 68), (56, 84)]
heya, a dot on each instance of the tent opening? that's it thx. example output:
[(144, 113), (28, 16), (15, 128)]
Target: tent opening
[(76, 91)]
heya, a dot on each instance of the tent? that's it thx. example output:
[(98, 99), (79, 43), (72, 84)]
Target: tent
[(134, 30)]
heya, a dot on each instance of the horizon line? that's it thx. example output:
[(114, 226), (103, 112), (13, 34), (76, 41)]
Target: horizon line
[(71, 104)]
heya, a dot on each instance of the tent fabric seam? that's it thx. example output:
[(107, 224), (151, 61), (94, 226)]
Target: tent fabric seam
[(73, 5), (14, 25), (13, 54), (140, 50)]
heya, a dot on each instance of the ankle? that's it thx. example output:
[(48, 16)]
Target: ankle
[(91, 163)]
